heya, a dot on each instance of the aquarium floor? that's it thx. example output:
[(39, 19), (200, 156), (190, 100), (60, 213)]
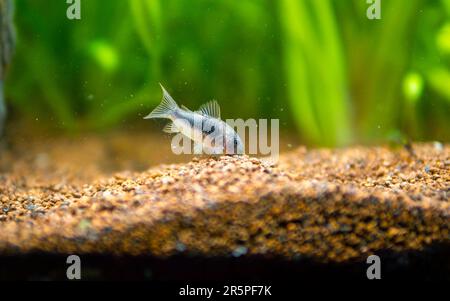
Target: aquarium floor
[(329, 206)]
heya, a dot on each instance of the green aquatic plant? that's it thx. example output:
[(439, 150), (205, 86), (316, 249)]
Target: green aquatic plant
[(315, 71), (148, 23), (105, 55), (331, 75)]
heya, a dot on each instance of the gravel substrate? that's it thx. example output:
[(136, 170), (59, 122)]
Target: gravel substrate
[(329, 205)]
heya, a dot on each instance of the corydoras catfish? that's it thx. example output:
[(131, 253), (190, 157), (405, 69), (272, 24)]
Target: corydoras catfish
[(204, 126)]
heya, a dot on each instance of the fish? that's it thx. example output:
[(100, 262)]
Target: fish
[(204, 127)]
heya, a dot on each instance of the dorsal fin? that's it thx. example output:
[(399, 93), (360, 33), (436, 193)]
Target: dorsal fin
[(211, 109)]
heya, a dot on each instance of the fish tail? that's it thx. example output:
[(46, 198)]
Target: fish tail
[(165, 109)]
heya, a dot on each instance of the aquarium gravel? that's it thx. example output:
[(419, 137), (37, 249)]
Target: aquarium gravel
[(331, 205)]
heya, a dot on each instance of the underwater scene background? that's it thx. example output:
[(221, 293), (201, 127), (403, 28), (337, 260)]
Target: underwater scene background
[(331, 75), (359, 172)]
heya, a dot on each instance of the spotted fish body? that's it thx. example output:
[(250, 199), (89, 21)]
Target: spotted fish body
[(203, 126)]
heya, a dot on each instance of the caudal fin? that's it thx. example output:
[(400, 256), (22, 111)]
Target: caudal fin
[(165, 108)]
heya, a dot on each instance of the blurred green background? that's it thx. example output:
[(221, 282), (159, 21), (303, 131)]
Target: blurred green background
[(330, 74)]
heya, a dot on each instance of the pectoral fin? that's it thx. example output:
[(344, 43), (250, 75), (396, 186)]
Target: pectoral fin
[(171, 128)]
